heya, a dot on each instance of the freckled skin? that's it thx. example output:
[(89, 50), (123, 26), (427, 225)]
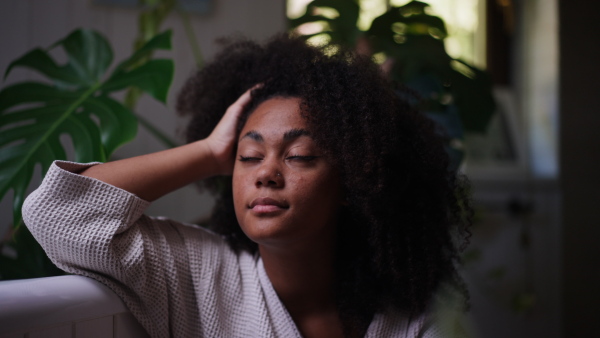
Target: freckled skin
[(292, 172)]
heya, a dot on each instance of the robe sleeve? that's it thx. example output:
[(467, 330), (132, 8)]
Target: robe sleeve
[(90, 228)]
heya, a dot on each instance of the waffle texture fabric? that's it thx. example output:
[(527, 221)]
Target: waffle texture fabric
[(177, 280)]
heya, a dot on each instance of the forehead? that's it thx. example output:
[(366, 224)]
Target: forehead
[(275, 116)]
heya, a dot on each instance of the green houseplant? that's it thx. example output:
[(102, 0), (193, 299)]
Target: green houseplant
[(453, 93), (91, 53), (75, 101)]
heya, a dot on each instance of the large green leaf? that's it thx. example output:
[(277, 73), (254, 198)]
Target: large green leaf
[(160, 41), (35, 116), (39, 60), (31, 93), (342, 28), (473, 91), (118, 124), (89, 54), (414, 40), (154, 77)]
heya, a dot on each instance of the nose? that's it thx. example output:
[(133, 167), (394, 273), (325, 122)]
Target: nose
[(269, 175)]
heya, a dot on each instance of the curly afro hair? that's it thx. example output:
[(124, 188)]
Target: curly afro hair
[(406, 215)]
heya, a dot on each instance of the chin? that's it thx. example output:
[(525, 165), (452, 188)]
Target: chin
[(267, 231)]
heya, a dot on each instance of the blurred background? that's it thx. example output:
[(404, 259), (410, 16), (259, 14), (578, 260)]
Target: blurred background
[(531, 267)]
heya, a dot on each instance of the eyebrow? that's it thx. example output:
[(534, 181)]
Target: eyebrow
[(294, 134), (253, 135), (287, 136)]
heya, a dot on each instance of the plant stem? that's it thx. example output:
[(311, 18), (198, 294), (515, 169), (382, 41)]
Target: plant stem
[(191, 37)]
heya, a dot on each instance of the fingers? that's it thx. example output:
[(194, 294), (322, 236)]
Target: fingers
[(242, 101), (238, 106), (232, 114), (221, 142)]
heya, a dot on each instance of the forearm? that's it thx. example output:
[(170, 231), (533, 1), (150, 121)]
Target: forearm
[(154, 175)]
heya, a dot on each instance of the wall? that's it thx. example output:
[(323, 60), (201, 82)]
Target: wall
[(514, 272), (580, 164), (515, 277), (25, 24), (564, 226)]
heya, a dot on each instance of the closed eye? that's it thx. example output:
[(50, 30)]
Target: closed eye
[(301, 158), (249, 159)]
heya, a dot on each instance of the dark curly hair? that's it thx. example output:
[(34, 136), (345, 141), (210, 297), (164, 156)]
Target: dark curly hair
[(406, 215)]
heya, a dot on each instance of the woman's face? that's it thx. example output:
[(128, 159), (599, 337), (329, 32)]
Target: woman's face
[(284, 190)]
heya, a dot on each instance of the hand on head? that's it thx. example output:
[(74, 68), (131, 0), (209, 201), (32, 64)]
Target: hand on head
[(154, 175), (223, 138)]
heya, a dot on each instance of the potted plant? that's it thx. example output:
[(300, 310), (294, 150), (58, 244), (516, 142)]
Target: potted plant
[(76, 101), (410, 44)]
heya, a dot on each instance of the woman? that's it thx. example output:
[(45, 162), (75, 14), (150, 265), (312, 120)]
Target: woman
[(340, 218)]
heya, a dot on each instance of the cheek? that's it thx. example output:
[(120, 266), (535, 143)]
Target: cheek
[(238, 180), (238, 191), (321, 191)]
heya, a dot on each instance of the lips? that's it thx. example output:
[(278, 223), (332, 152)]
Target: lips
[(267, 205)]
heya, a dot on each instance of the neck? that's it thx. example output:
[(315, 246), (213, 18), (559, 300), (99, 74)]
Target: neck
[(303, 276)]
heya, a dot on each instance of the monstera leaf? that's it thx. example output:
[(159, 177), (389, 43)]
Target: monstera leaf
[(414, 39), (341, 27), (75, 102)]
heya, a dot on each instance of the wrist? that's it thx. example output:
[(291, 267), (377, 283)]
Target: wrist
[(216, 160)]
